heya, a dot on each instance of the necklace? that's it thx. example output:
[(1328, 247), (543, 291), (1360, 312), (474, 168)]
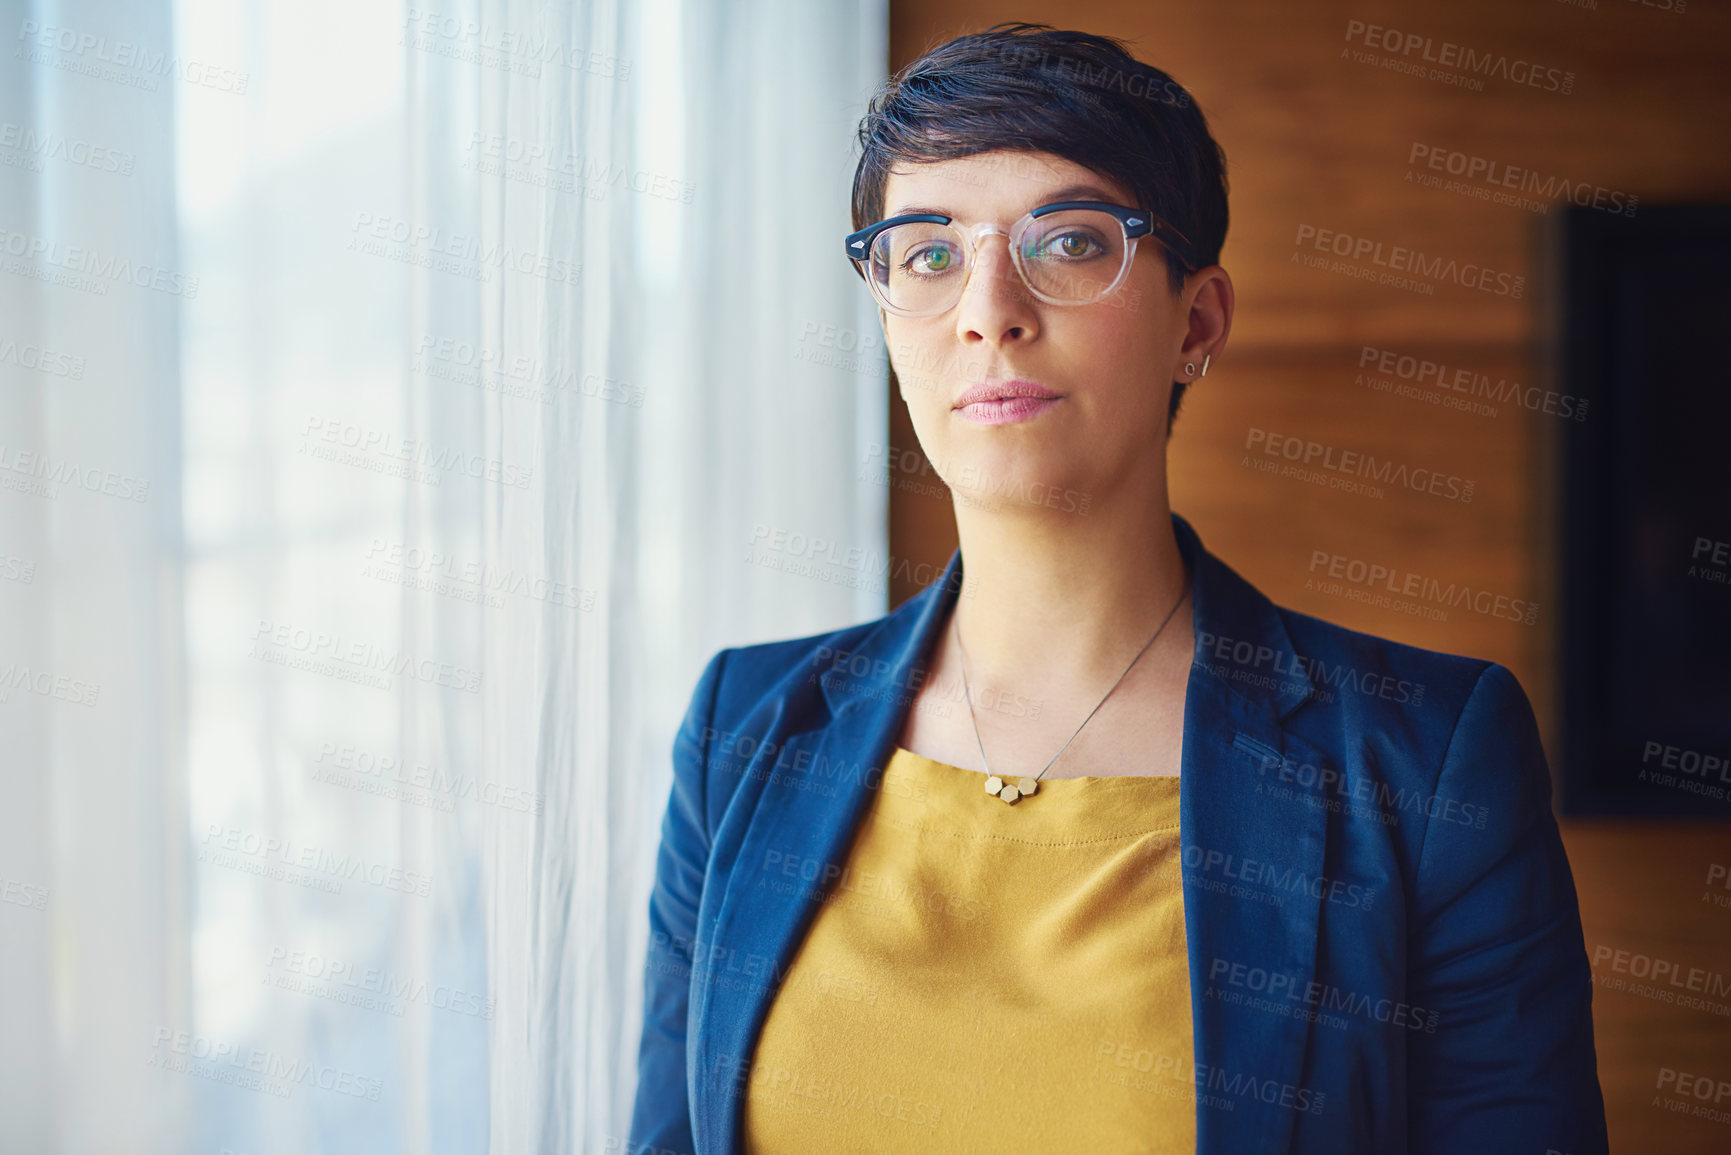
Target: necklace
[(1010, 791)]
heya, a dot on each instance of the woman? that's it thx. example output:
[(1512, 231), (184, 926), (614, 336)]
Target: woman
[(1089, 846)]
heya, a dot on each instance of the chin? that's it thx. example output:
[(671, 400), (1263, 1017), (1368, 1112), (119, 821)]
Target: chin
[(1018, 475)]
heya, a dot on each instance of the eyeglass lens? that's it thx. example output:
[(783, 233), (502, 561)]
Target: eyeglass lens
[(1073, 256)]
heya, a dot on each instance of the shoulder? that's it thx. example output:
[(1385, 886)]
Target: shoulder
[(786, 674), (1363, 668), (1347, 679), (1453, 737), (1405, 707), (751, 698)]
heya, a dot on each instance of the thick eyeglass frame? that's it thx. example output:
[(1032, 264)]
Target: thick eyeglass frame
[(1136, 223)]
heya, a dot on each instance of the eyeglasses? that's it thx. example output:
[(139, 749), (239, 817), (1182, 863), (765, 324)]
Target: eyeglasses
[(1069, 253)]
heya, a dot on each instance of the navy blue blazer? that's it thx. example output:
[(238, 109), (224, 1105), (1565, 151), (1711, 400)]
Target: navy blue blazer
[(1384, 944)]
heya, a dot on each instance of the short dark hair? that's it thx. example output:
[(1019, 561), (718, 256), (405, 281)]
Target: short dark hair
[(1033, 88)]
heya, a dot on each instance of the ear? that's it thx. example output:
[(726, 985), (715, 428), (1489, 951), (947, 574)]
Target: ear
[(1211, 302)]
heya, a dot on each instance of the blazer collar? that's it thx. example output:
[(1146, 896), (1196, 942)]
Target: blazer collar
[(1246, 678)]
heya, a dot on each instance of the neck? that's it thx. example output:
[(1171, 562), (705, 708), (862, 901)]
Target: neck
[(1055, 594)]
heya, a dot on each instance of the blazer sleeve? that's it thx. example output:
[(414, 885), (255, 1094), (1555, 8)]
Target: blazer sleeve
[(661, 1116), (1496, 951)]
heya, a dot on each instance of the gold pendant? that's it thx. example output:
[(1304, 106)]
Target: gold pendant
[(1009, 792)]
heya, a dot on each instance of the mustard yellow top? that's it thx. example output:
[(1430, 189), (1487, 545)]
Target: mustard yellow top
[(988, 977)]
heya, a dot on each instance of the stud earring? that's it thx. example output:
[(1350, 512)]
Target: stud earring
[(1190, 368), (1205, 358)]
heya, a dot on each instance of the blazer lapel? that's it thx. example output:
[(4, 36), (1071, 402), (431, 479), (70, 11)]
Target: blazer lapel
[(798, 839), (1251, 796)]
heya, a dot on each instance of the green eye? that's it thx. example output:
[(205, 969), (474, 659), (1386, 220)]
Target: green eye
[(930, 260)]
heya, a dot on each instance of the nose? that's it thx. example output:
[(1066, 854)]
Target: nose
[(996, 308)]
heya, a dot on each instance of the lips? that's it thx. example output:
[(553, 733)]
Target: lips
[(1004, 390), (1005, 402)]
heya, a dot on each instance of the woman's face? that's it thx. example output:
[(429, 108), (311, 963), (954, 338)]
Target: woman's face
[(1110, 363)]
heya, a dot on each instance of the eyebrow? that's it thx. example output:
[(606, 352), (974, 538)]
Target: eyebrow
[(1074, 192)]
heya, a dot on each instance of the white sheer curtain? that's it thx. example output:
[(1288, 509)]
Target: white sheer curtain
[(396, 405)]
